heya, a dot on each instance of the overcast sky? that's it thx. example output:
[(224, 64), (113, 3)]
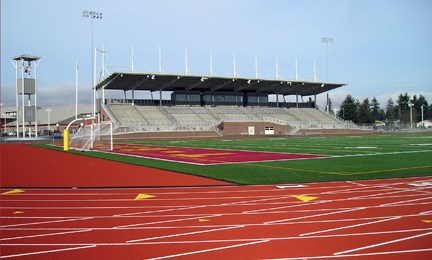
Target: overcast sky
[(381, 48)]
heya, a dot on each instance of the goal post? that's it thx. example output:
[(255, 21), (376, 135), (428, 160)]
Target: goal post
[(97, 136)]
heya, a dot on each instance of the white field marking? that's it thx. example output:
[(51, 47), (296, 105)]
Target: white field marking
[(422, 184), (208, 250), (152, 199), (345, 227), (353, 255), (291, 186), (46, 222), (374, 154), (168, 221), (296, 204), (352, 189), (381, 195), (380, 244), (249, 201), (184, 234), (403, 202), (226, 240), (355, 183), (426, 213), (143, 207), (156, 211), (48, 251), (50, 234), (317, 215)]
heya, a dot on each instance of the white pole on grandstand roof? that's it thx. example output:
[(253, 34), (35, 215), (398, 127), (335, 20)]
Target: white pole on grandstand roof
[(186, 71), (160, 60), (211, 65), (277, 70), (76, 91), (132, 66), (235, 73), (315, 78), (256, 66)]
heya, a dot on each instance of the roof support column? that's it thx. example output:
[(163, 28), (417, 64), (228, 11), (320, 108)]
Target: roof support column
[(133, 97), (160, 97), (315, 101), (277, 100), (297, 100)]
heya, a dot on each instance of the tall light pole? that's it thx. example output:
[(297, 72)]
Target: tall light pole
[(92, 15), (49, 121), (410, 105), (327, 41)]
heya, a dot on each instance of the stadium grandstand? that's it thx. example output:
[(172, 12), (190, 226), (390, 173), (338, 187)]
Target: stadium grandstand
[(211, 106)]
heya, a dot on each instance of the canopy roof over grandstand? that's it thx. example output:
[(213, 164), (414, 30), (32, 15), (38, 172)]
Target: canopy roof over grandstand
[(202, 83)]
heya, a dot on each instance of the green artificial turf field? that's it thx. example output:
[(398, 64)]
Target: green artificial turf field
[(354, 158)]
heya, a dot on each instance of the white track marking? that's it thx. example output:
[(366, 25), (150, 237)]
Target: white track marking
[(208, 250), (345, 227), (403, 202), (48, 251), (223, 240), (353, 255), (317, 215), (380, 244), (183, 234), (45, 222), (168, 221), (156, 211), (50, 234)]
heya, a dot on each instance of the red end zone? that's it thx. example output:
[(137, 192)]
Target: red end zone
[(200, 156)]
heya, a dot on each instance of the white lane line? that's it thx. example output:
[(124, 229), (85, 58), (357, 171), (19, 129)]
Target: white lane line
[(45, 222), (49, 234), (156, 211), (208, 250), (380, 244), (345, 227), (403, 202), (48, 251), (352, 255), (317, 215), (296, 204), (168, 221), (183, 234)]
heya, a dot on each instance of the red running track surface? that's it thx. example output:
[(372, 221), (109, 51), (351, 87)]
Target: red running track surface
[(29, 166), (380, 219)]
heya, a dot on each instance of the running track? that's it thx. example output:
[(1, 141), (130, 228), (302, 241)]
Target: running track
[(210, 219), (385, 219)]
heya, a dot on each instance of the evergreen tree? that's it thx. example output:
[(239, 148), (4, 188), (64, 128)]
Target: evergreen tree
[(402, 102), (348, 109), (365, 113), (390, 112), (375, 109)]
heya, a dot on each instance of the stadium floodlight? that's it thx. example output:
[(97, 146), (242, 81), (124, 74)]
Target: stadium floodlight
[(327, 41), (92, 15)]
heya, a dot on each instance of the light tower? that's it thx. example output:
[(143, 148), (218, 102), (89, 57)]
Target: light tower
[(327, 41), (92, 15), (26, 86)]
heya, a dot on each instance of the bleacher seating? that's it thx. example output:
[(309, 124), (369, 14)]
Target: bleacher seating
[(153, 118)]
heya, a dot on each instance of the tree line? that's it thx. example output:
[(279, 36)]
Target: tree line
[(369, 111)]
